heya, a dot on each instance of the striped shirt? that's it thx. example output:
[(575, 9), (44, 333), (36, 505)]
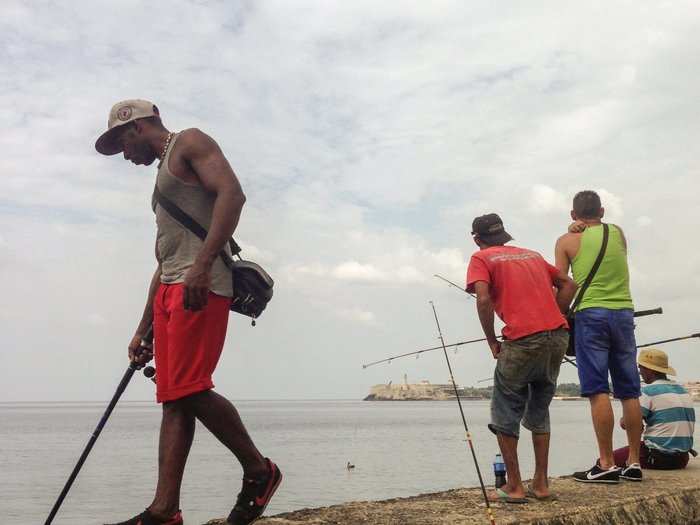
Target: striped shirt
[(668, 412)]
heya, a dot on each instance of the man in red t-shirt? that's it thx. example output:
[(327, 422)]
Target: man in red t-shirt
[(518, 285)]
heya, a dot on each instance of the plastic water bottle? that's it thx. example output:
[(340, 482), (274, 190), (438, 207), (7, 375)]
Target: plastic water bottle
[(499, 471)]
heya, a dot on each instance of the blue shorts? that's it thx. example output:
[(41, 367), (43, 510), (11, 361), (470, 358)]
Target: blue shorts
[(605, 343)]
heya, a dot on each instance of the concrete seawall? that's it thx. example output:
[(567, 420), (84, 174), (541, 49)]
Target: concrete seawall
[(663, 498)]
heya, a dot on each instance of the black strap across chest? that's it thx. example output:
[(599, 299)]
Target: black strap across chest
[(188, 222), (594, 269)]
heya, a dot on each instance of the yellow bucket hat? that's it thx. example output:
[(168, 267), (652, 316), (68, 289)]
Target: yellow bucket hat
[(655, 359)]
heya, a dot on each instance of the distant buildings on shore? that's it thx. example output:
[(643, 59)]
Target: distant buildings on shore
[(424, 391), (427, 391)]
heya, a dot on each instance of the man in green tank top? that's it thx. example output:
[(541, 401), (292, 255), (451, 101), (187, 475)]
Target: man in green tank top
[(603, 334)]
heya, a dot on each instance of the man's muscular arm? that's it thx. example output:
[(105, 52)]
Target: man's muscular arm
[(484, 308), (136, 353), (566, 290), (561, 257), (214, 173), (622, 236)]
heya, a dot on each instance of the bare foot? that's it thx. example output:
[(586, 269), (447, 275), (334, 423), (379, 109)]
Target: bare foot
[(540, 491), (508, 494)]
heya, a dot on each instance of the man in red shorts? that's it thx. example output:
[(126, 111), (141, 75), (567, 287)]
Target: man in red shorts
[(188, 305)]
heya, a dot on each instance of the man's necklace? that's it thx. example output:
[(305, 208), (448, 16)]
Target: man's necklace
[(165, 147)]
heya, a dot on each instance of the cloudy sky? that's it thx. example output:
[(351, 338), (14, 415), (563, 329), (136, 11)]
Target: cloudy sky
[(366, 136)]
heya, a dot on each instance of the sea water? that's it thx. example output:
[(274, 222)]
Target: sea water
[(398, 448)]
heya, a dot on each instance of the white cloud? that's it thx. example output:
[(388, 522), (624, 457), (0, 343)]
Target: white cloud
[(366, 141), (313, 269), (96, 319), (358, 315), (409, 274), (355, 271), (628, 74), (643, 221), (612, 204), (545, 200), (450, 259), (254, 253)]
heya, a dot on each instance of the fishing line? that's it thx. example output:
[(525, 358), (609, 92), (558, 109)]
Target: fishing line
[(455, 285), (489, 512)]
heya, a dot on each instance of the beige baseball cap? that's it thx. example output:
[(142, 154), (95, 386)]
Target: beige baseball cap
[(122, 113), (655, 359)]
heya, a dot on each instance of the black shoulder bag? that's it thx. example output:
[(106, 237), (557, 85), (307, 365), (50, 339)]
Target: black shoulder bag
[(571, 351), (252, 285)]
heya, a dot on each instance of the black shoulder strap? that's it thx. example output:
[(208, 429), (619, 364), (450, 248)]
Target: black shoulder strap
[(188, 222), (594, 269)]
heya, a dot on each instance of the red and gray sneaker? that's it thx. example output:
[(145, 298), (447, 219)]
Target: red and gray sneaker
[(145, 518), (254, 496)]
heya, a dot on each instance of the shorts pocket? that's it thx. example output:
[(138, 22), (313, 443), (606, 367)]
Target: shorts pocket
[(511, 363)]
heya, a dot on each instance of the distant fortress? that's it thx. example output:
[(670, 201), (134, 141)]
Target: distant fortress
[(427, 391), (423, 391)]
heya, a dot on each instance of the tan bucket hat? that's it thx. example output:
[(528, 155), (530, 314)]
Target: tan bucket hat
[(122, 113), (657, 360)]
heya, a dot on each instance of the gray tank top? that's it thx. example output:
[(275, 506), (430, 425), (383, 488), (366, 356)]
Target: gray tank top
[(177, 246)]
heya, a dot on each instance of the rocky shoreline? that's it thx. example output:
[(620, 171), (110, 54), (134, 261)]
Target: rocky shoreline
[(663, 498)]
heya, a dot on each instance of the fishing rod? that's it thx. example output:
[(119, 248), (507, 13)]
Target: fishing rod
[(640, 313), (418, 352), (489, 512), (454, 285), (691, 336), (133, 367), (653, 311)]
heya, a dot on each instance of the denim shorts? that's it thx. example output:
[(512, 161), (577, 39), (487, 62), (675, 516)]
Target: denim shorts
[(605, 343), (524, 382)]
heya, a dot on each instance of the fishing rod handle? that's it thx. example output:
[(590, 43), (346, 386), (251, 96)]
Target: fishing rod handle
[(653, 311), (146, 343)]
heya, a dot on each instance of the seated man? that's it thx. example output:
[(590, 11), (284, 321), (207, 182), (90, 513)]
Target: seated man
[(668, 412), (517, 284)]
